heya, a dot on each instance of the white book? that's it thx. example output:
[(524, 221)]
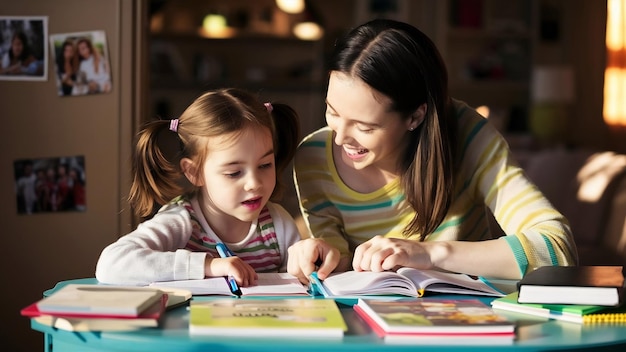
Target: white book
[(268, 284)]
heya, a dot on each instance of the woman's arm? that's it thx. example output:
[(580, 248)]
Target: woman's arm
[(536, 233), (327, 244)]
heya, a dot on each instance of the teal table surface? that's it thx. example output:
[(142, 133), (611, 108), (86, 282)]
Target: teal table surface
[(533, 334)]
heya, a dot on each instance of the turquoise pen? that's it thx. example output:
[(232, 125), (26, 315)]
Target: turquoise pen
[(316, 286), (224, 252)]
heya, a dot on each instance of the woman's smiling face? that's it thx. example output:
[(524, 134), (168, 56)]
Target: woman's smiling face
[(367, 131)]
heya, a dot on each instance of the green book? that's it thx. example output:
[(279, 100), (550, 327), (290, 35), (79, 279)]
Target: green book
[(271, 318), (568, 312)]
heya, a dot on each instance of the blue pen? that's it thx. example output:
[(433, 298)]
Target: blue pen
[(224, 252)]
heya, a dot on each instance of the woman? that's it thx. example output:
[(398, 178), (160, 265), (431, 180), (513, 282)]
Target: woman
[(19, 60), (93, 68), (67, 67), (402, 174)]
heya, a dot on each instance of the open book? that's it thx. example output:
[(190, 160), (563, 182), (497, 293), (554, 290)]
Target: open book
[(268, 284), (405, 282)]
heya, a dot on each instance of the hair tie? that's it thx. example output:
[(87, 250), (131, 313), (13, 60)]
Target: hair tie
[(174, 125), (269, 107)]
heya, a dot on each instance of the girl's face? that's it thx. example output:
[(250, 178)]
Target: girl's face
[(83, 50), (369, 134), (68, 51), (17, 46), (239, 174)]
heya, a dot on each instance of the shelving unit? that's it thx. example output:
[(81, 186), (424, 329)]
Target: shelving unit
[(184, 65), (488, 47)]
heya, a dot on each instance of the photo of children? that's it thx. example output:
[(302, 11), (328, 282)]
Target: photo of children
[(50, 184), (23, 54), (81, 63)]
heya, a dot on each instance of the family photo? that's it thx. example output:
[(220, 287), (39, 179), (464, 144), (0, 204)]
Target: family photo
[(23, 51), (81, 63), (50, 184)]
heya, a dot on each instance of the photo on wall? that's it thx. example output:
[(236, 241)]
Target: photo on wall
[(50, 185), (23, 49), (81, 63)]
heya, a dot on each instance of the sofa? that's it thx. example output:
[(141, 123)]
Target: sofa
[(589, 188)]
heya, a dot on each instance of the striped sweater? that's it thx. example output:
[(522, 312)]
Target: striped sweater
[(488, 175), (174, 243)]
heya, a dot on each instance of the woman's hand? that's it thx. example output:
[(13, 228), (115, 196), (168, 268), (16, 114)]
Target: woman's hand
[(381, 253), (309, 255), (243, 273)]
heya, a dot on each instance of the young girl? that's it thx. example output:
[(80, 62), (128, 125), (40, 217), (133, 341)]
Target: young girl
[(67, 67), (19, 59), (231, 150)]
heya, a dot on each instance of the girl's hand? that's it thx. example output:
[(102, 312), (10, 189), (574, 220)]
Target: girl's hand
[(309, 255), (381, 253), (243, 273)]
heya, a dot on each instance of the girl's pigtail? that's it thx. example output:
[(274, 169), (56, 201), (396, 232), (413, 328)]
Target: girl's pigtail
[(155, 173), (287, 126)]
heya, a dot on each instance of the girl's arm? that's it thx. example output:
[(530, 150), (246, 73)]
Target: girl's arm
[(152, 252)]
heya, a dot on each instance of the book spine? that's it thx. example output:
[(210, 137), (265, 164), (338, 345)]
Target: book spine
[(606, 318)]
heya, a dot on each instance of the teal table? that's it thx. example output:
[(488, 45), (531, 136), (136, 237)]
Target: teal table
[(533, 334)]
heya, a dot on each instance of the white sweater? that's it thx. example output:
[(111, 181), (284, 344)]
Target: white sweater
[(155, 251)]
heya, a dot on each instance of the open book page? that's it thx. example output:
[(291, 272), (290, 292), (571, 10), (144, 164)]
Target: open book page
[(357, 283), (444, 282), (406, 282), (268, 284)]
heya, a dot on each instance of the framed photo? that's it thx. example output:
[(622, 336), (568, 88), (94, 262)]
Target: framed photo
[(50, 185), (23, 49), (81, 63)]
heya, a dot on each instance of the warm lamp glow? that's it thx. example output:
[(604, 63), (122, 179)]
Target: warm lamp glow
[(308, 31), (214, 26), (615, 22), (291, 6), (614, 109), (483, 110)]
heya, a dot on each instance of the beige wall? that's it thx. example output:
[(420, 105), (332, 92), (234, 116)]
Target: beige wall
[(39, 250)]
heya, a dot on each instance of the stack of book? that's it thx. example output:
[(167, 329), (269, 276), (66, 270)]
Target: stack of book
[(450, 321), (578, 294), (84, 307)]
